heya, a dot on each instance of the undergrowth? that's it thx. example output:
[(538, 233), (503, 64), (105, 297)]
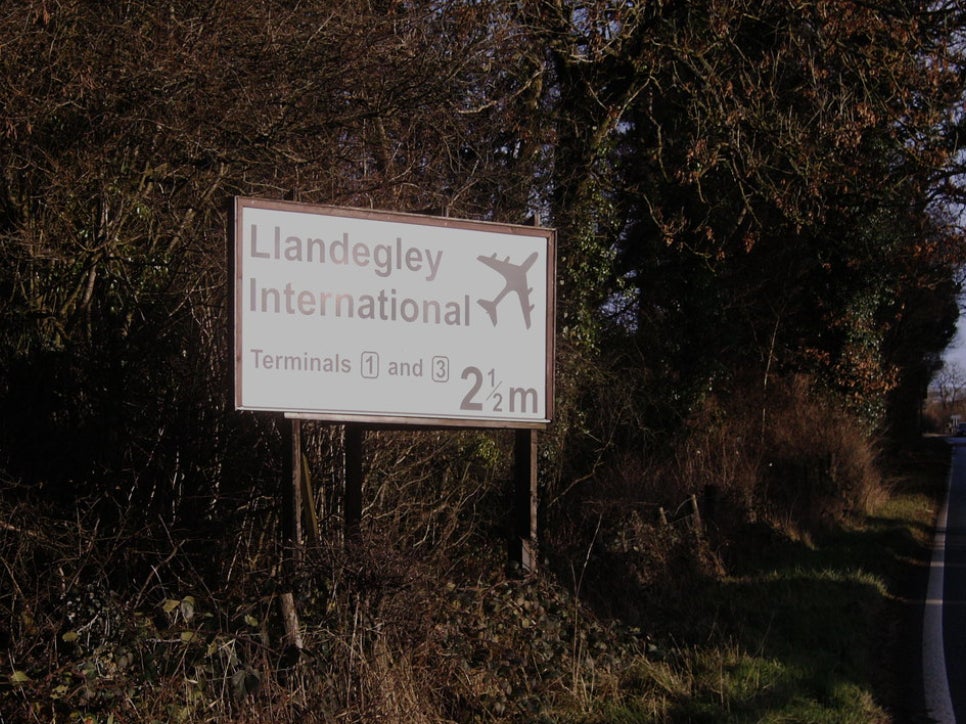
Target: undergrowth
[(742, 580)]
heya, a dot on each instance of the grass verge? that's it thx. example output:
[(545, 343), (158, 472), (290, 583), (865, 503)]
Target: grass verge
[(816, 631)]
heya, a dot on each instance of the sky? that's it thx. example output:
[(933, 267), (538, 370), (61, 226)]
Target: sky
[(956, 351)]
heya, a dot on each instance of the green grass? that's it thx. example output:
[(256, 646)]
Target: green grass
[(796, 632)]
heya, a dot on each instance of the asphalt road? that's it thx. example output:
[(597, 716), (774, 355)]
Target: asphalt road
[(944, 612)]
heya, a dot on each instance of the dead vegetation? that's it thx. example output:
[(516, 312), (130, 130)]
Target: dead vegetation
[(419, 622), (752, 285)]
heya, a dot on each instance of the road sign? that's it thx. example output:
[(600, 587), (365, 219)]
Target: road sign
[(357, 315)]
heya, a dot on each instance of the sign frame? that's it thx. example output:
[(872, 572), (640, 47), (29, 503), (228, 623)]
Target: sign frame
[(369, 413)]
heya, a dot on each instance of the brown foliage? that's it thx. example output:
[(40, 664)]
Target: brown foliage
[(759, 177)]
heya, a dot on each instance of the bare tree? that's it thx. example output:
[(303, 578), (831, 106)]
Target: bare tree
[(949, 385)]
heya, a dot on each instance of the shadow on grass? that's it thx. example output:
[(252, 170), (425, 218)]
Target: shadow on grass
[(820, 632)]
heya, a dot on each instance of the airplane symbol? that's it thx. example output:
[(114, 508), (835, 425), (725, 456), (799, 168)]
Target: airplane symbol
[(516, 281)]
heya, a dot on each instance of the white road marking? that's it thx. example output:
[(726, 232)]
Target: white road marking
[(939, 703)]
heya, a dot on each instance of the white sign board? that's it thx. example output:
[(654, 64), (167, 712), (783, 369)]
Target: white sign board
[(349, 314)]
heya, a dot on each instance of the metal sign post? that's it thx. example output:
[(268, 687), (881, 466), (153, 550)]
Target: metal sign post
[(523, 535), (354, 437), (291, 520)]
